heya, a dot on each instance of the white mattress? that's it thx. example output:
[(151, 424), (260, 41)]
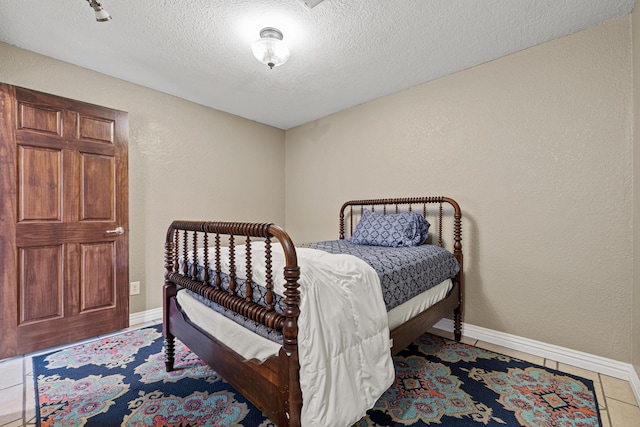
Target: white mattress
[(253, 346)]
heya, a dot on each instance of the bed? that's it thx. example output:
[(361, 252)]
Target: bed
[(255, 307)]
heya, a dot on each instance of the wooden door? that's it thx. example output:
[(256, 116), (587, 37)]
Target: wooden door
[(63, 194)]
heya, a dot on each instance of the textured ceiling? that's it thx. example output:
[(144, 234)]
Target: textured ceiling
[(343, 52)]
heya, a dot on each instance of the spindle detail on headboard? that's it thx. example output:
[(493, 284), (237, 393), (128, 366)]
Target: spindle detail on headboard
[(408, 203)]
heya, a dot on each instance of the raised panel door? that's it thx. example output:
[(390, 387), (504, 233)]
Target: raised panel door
[(63, 176)]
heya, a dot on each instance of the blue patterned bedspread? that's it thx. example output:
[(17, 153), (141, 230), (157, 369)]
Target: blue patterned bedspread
[(404, 273)]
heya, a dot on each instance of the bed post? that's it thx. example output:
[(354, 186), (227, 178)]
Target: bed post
[(169, 291), (457, 253), (289, 368), (290, 371), (341, 237)]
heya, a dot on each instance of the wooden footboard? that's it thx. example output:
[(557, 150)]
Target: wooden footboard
[(274, 392), (274, 385)]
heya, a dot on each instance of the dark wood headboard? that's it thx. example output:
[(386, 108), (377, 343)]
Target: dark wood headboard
[(351, 211)]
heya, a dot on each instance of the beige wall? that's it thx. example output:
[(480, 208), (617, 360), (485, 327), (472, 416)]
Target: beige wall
[(636, 187), (537, 149), (238, 173)]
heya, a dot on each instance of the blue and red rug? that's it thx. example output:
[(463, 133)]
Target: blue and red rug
[(121, 381)]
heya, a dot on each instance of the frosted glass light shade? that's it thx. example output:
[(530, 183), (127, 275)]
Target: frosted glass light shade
[(102, 15), (270, 49)]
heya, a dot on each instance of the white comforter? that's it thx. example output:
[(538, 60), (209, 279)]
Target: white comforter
[(343, 336)]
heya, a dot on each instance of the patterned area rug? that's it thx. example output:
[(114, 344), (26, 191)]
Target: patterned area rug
[(121, 381)]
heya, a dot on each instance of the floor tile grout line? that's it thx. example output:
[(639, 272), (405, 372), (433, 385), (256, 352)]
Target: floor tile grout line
[(605, 404), (609, 414), (606, 407), (622, 401), (24, 392), (30, 380)]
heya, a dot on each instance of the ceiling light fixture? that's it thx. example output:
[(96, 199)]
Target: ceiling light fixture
[(101, 14), (312, 3), (269, 48)]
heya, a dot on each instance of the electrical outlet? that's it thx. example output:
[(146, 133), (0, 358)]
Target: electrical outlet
[(134, 288)]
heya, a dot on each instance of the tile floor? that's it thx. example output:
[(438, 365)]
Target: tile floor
[(618, 407)]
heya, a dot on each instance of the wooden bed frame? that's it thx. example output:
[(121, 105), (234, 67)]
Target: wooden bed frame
[(273, 385)]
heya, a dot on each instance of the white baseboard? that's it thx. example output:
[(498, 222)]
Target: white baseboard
[(145, 316), (602, 365), (634, 380)]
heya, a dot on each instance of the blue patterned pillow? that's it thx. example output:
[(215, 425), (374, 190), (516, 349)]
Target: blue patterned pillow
[(394, 230)]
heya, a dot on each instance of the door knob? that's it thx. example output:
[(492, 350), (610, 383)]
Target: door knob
[(118, 231)]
